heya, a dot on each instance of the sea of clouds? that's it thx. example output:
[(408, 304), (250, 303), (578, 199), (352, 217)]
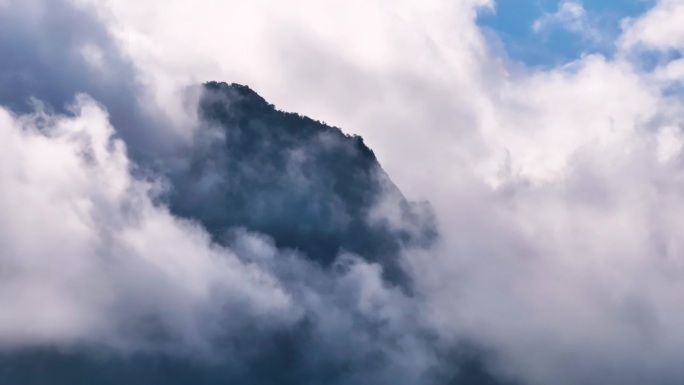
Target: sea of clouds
[(557, 190)]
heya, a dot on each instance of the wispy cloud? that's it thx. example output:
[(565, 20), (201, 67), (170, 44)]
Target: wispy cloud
[(573, 17)]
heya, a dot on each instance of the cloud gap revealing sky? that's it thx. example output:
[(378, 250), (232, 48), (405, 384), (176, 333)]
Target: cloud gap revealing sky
[(550, 32), (342, 192)]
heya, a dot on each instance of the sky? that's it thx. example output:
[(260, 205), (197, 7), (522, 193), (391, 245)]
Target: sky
[(548, 33), (546, 137)]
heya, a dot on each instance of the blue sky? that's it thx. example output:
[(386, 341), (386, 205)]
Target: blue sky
[(554, 42)]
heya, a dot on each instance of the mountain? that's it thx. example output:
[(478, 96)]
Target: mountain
[(306, 184)]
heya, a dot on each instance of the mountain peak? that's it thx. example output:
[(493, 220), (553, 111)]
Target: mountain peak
[(238, 91), (238, 104), (307, 185)]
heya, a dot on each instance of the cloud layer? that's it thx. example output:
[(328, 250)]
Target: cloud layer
[(556, 191)]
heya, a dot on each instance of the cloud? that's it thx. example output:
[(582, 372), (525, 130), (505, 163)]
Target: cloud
[(555, 208), (572, 16), (83, 239), (653, 41), (54, 50), (556, 193), (123, 280), (660, 28)]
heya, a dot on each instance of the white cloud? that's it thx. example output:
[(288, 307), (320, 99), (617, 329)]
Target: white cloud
[(87, 257), (571, 15), (560, 233), (669, 144), (662, 28)]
